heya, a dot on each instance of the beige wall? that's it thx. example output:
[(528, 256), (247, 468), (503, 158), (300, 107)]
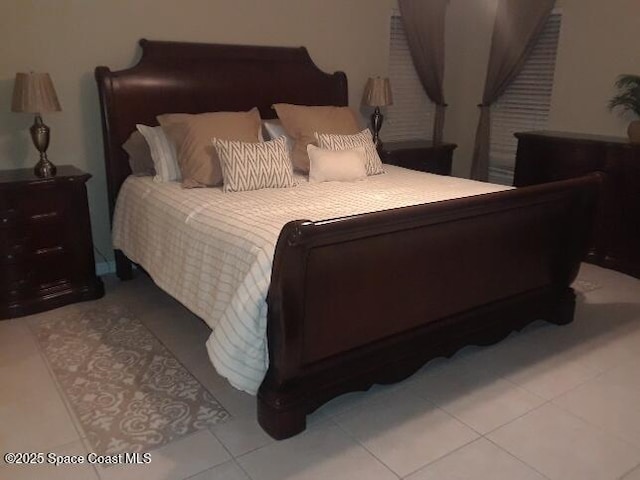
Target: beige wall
[(598, 42), (68, 38)]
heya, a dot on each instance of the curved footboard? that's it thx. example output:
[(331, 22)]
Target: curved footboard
[(370, 298)]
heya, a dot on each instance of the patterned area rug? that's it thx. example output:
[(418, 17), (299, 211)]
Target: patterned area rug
[(128, 391)]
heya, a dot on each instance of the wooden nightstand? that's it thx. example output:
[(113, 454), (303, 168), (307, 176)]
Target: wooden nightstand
[(420, 155), (46, 250)]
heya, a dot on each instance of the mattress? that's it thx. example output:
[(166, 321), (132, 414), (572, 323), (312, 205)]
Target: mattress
[(213, 251)]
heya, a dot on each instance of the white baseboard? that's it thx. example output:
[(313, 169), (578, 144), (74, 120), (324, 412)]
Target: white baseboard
[(103, 268)]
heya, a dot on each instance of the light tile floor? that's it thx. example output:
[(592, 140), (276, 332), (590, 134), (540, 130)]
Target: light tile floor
[(550, 402)]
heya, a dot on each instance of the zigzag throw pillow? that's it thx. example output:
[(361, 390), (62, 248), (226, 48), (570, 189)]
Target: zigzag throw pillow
[(252, 166)]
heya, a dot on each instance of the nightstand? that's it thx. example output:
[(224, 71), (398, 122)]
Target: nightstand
[(46, 250), (421, 155)]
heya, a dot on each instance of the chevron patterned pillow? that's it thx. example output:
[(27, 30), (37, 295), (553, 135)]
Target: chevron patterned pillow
[(252, 166), (346, 142)]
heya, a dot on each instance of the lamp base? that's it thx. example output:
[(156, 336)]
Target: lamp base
[(44, 168), (40, 136), (376, 125)]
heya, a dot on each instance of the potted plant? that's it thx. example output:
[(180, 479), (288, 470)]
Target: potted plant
[(628, 99)]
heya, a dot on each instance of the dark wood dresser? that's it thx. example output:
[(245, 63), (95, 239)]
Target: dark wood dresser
[(547, 156), (421, 155), (46, 250)]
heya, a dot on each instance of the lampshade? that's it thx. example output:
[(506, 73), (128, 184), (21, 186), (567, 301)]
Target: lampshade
[(377, 92), (34, 93)]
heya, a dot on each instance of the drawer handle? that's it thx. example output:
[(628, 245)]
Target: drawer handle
[(13, 253), (49, 251), (7, 216), (17, 287), (44, 216)]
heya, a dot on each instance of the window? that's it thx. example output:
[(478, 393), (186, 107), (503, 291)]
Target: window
[(525, 103), (411, 115)]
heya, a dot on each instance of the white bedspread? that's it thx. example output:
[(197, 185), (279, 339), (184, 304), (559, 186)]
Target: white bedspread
[(213, 251)]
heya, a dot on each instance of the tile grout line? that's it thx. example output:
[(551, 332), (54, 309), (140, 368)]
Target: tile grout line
[(232, 458), (371, 401), (621, 477), (516, 458), (545, 401), (244, 453), (550, 402), (358, 442), (527, 389), (442, 457), (242, 469), (320, 423), (615, 435), (422, 397), (172, 443), (274, 442)]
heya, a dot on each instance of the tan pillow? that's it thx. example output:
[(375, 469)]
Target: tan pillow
[(139, 154), (302, 122), (192, 134)]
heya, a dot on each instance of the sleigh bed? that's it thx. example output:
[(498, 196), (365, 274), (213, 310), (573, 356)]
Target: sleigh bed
[(367, 298)]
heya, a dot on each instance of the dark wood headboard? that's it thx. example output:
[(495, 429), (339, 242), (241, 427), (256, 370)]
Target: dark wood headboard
[(178, 77)]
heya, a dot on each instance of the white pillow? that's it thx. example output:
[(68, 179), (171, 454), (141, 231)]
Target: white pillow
[(336, 165), (275, 129), (362, 139), (163, 154)]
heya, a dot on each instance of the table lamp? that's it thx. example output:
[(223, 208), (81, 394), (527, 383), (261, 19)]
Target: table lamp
[(377, 93), (34, 93)]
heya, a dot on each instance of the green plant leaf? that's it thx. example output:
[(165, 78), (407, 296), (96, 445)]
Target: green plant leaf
[(628, 96)]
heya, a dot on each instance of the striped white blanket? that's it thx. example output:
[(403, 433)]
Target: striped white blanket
[(213, 251)]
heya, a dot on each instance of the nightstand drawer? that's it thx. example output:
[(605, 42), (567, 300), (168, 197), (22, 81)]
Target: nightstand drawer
[(15, 280), (9, 218), (13, 252), (33, 273), (46, 233), (11, 237), (49, 266), (31, 234), (44, 203)]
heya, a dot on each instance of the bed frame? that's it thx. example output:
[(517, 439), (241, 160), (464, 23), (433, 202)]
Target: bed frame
[(370, 298)]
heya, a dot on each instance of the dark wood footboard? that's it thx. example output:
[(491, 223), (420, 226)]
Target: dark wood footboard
[(371, 298)]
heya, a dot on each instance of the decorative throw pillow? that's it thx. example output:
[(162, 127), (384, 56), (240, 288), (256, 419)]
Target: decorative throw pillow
[(301, 122), (336, 165), (192, 134), (362, 139), (163, 153), (140, 160), (252, 166)]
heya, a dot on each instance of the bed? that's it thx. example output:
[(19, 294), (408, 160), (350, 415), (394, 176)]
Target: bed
[(362, 296)]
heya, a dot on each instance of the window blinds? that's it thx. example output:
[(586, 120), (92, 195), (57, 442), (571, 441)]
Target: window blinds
[(411, 115), (525, 104)]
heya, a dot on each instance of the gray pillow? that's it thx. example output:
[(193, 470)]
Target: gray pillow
[(139, 155)]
